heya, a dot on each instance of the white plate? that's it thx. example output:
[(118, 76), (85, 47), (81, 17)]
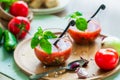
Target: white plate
[(60, 7)]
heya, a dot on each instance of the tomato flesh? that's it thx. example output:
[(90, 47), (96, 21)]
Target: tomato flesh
[(87, 36)]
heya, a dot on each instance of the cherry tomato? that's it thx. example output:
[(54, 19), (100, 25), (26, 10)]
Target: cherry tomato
[(19, 26), (107, 59), (19, 8)]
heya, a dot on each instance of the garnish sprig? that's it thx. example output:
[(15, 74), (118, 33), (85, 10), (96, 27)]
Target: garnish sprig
[(80, 22), (41, 38)]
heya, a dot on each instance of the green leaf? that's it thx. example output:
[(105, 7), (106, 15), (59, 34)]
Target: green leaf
[(37, 36), (41, 38), (45, 45), (76, 14), (73, 16), (49, 35), (34, 42), (81, 24), (8, 3), (5, 0), (40, 31)]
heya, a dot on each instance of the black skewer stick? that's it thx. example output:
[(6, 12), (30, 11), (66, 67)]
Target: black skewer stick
[(101, 7), (71, 23)]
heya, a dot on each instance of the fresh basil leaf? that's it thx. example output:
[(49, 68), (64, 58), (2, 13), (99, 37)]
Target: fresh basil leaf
[(49, 35), (76, 15), (45, 45), (37, 36), (81, 24), (40, 31), (34, 41), (73, 16), (41, 37), (5, 0), (7, 4)]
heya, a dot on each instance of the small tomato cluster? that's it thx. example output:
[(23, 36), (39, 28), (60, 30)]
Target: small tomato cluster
[(19, 25)]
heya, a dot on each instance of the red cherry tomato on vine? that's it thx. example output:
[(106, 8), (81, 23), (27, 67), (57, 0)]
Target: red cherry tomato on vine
[(19, 8), (107, 59), (19, 26)]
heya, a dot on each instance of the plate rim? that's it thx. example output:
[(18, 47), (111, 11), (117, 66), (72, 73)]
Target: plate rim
[(17, 60), (56, 9)]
